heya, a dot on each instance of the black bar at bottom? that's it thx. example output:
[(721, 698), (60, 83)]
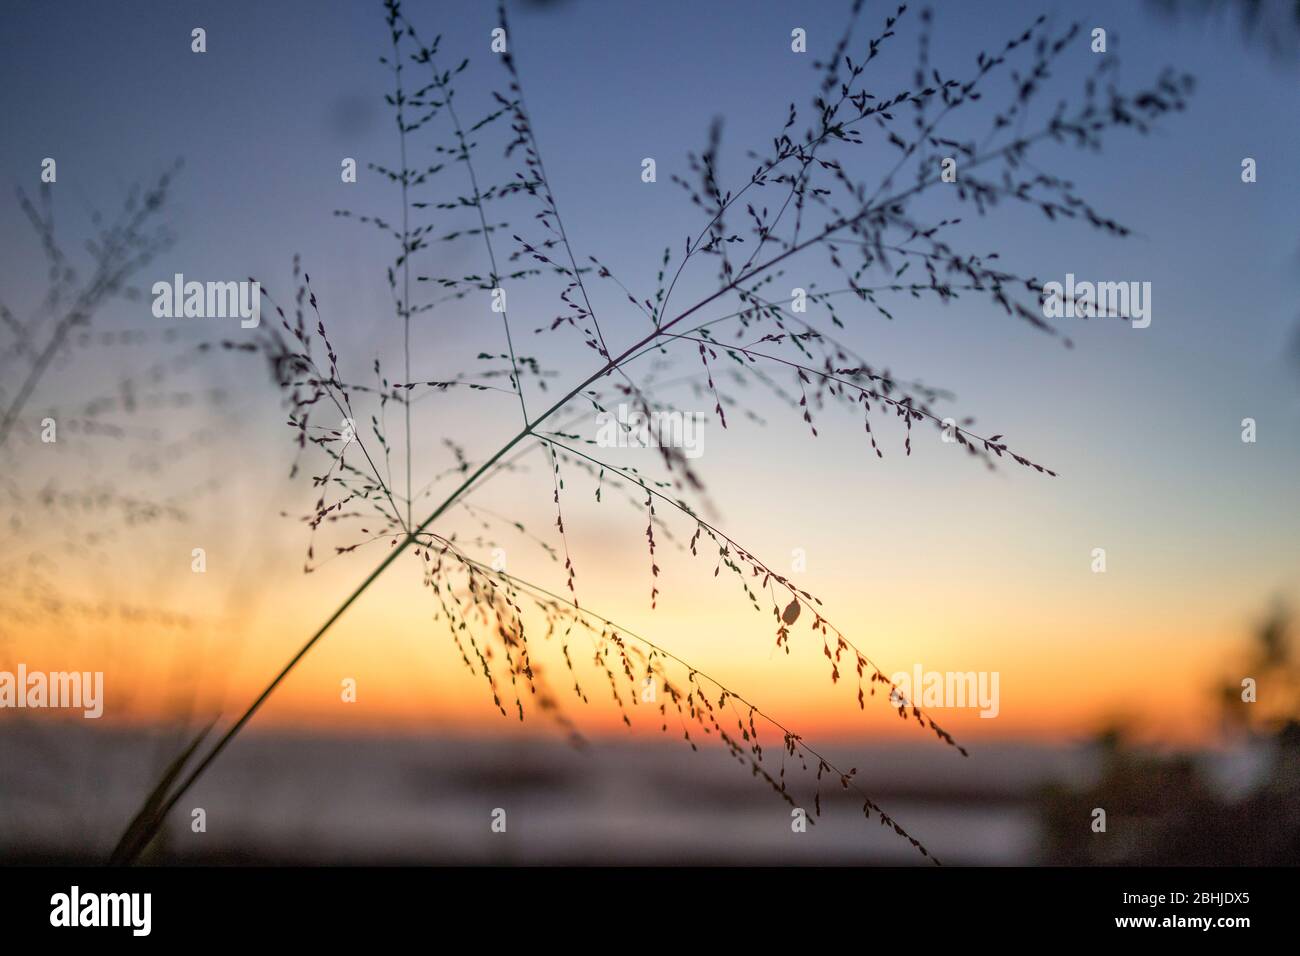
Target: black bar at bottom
[(905, 905)]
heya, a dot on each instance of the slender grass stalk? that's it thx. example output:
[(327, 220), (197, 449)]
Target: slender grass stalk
[(867, 225), (464, 486)]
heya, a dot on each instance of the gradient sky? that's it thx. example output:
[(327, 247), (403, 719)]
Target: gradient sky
[(925, 559)]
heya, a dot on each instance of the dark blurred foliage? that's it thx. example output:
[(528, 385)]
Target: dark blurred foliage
[(1271, 25), (1163, 810)]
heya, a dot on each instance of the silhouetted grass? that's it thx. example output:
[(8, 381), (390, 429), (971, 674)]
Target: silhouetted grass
[(803, 197)]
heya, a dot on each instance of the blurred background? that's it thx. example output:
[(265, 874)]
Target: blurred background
[(1119, 690)]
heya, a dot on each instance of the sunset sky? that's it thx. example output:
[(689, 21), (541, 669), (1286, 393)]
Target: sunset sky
[(926, 558)]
